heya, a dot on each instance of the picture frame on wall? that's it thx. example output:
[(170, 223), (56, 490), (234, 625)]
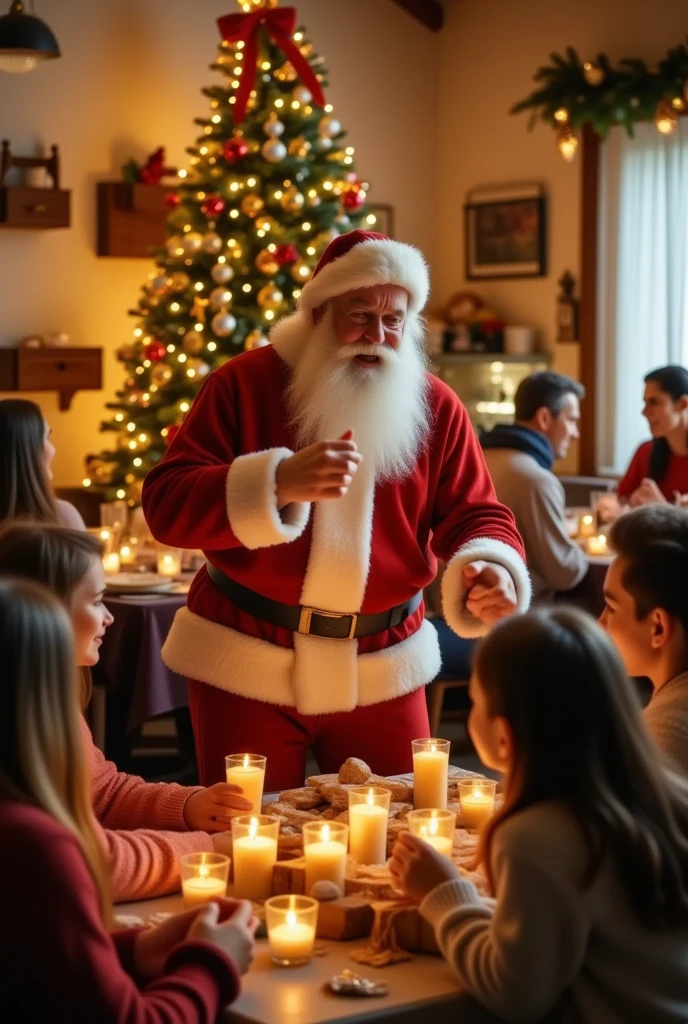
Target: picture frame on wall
[(384, 218), (505, 232)]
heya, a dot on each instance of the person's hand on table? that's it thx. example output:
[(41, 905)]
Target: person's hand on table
[(647, 494), (319, 472), (212, 809), (490, 591), (417, 868), (233, 935)]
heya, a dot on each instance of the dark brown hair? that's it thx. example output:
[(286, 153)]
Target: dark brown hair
[(54, 557), (579, 739), (673, 381), (544, 388), (25, 491), (653, 542)]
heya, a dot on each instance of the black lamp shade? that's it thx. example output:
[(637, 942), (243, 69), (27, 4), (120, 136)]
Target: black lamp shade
[(25, 36)]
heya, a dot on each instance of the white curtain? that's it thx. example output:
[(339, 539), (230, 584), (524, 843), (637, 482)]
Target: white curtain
[(642, 278)]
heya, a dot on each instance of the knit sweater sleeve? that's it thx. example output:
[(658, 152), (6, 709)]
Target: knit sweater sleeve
[(517, 956), (551, 553), (668, 723)]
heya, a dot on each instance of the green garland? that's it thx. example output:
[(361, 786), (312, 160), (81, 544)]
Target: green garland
[(574, 93)]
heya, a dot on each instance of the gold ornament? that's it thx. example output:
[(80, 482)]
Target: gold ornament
[(161, 374), (221, 273), (300, 146), (265, 224), (191, 242), (678, 103), (212, 243), (286, 73), (255, 5), (567, 143), (300, 271), (198, 308), (252, 205), (292, 200), (269, 296), (256, 339), (306, 50), (193, 342), (593, 73), (665, 118), (266, 263), (220, 297), (196, 368), (223, 324), (174, 245), (561, 116), (180, 281)]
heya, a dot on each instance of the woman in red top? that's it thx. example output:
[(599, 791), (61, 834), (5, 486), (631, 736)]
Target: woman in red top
[(659, 468), (57, 960)]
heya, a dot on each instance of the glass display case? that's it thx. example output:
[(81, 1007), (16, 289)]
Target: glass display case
[(486, 382)]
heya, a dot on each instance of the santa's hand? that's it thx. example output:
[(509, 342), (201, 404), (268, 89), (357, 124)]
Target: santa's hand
[(321, 471), (490, 591)]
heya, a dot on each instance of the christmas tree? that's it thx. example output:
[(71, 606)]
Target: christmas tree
[(270, 183)]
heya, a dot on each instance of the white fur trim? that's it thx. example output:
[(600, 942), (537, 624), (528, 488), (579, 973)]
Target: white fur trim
[(367, 264), (232, 661), (453, 593), (290, 335), (252, 504)]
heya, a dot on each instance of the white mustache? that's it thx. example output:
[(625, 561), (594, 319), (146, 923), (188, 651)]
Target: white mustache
[(384, 352)]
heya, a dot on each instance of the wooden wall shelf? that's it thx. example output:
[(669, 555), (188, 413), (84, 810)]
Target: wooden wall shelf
[(23, 207), (65, 370), (131, 218)]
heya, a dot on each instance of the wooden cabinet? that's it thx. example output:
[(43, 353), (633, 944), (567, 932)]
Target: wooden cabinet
[(131, 218), (66, 370), (23, 207)]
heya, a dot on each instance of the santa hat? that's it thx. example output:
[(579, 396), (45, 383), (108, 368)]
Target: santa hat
[(363, 259)]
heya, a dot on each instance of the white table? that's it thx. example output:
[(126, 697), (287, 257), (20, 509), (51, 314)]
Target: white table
[(422, 990)]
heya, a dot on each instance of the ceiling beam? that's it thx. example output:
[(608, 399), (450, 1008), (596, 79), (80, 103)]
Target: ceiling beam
[(428, 12)]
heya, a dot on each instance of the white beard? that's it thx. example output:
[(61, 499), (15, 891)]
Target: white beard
[(385, 405)]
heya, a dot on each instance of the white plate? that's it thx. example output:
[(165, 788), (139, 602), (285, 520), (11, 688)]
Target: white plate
[(138, 583)]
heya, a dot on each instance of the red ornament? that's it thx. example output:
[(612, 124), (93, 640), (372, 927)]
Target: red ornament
[(234, 150), (286, 254), (172, 432), (353, 198), (155, 351), (172, 199), (213, 206)]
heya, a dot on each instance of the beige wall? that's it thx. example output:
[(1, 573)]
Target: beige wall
[(129, 80), (489, 50)]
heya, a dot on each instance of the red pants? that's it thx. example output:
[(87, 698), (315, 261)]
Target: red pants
[(380, 734)]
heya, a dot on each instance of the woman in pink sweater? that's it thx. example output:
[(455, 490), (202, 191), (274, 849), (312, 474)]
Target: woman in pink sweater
[(57, 959), (144, 827)]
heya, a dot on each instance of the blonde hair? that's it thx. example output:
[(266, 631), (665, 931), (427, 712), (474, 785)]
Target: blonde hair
[(42, 759)]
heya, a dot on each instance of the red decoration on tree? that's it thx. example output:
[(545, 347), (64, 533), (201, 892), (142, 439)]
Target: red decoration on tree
[(353, 198), (155, 351), (286, 254), (234, 150), (213, 206), (172, 199), (172, 432)]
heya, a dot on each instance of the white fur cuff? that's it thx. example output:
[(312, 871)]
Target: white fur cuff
[(453, 590), (252, 502)]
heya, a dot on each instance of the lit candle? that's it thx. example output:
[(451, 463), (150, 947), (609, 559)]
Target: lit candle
[(587, 525), (597, 545), (111, 562), (430, 771), (248, 772), (291, 923), (204, 877), (127, 555), (436, 827), (254, 845), (368, 818), (324, 848), (169, 562), (477, 798)]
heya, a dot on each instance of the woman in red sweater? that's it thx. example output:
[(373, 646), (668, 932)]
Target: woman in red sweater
[(658, 471), (57, 960), (145, 826)]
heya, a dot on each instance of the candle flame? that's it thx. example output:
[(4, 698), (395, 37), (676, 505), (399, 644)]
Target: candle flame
[(371, 798), (325, 834), (253, 828), (203, 871), (424, 831), (587, 520), (291, 919), (433, 747), (246, 757), (434, 825), (477, 793)]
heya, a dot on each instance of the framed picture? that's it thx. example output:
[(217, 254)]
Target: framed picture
[(505, 233), (384, 218)]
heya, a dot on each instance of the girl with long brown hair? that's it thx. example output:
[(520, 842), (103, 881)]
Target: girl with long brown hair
[(26, 453), (587, 857), (145, 826), (57, 961)]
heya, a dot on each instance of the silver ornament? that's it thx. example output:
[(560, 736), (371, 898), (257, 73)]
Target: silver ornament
[(212, 243), (329, 126), (274, 151), (273, 128), (220, 297), (302, 95), (160, 284), (191, 242), (221, 273), (223, 324), (173, 244)]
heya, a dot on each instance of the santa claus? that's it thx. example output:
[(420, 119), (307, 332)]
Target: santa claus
[(323, 476)]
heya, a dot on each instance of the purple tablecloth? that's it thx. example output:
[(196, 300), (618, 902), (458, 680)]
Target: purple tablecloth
[(130, 661)]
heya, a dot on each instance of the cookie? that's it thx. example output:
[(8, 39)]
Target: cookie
[(337, 794), (318, 781), (304, 799), (399, 810), (293, 815), (354, 772), (402, 792)]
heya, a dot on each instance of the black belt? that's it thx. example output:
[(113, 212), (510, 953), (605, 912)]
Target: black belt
[(311, 621)]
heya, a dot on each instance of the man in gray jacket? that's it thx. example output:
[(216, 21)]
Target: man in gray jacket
[(520, 457)]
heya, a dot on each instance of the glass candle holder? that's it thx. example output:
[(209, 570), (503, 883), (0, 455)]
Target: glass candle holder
[(324, 848), (597, 545), (477, 798), (111, 562), (128, 551), (430, 773), (436, 827), (169, 561), (106, 536), (248, 771), (204, 877), (254, 848), (586, 525), (291, 922), (368, 819)]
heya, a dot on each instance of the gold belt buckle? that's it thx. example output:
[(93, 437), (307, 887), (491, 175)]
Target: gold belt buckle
[(307, 614)]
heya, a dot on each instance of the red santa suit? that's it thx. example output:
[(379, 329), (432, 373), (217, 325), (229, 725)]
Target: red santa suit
[(256, 686)]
